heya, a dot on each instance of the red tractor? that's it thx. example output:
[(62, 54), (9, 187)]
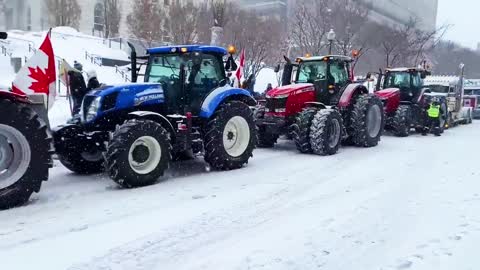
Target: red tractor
[(406, 99), (319, 107), (25, 146)]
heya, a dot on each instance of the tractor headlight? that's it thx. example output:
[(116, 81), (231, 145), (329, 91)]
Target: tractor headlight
[(282, 96), (93, 109)]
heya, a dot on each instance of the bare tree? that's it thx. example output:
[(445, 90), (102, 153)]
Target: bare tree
[(145, 22), (64, 12), (261, 44), (181, 24), (311, 22), (112, 17)]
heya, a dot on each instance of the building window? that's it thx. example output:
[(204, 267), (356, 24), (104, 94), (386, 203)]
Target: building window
[(98, 17)]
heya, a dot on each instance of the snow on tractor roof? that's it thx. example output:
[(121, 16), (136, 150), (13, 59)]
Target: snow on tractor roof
[(441, 80), (187, 48), (320, 58)]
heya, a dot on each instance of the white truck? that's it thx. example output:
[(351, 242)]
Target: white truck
[(452, 89)]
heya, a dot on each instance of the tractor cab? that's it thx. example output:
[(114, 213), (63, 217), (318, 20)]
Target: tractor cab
[(187, 74), (408, 80), (329, 74)]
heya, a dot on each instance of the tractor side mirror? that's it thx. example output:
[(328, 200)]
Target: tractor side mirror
[(3, 35), (369, 76), (197, 59), (277, 68), (423, 75)]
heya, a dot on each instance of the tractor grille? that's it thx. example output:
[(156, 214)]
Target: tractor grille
[(275, 103)]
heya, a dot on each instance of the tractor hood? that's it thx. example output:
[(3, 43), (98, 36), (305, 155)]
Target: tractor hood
[(113, 99), (289, 89), (387, 93)]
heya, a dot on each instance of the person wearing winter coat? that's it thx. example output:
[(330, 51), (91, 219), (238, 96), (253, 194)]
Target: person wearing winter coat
[(92, 80), (78, 89), (433, 114)]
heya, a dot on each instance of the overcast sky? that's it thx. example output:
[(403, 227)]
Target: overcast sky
[(464, 15)]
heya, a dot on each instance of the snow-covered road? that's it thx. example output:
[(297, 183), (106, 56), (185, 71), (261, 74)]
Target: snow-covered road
[(410, 203)]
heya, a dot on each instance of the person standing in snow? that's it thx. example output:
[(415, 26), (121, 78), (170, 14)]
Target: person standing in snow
[(433, 118), (78, 89), (92, 80), (269, 87)]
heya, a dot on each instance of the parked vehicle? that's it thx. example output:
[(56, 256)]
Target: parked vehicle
[(185, 106), (451, 89), (319, 106), (472, 96), (405, 99), (25, 145)]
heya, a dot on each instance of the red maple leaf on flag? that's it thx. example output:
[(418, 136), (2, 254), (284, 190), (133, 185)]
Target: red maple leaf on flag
[(40, 82)]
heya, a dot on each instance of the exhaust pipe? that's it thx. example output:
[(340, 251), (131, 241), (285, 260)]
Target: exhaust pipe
[(133, 61)]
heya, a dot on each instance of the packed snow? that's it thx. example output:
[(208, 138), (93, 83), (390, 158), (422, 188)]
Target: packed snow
[(410, 203)]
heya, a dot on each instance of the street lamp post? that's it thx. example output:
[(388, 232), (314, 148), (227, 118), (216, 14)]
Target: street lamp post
[(331, 37)]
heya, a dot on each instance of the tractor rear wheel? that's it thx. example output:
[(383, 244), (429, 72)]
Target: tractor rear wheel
[(265, 138), (367, 121), (139, 153), (301, 130), (230, 136), (402, 120), (25, 153), (326, 132)]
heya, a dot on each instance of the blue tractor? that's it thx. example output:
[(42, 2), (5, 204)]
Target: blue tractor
[(185, 106)]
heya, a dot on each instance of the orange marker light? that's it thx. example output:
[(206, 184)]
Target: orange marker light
[(183, 50), (231, 49)]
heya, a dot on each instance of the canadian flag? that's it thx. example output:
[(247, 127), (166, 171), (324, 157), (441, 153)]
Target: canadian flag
[(239, 72), (38, 75)]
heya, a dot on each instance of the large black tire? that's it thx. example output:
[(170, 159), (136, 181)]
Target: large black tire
[(265, 138), (139, 153), (235, 121), (75, 154), (301, 130), (326, 132), (401, 122), (367, 121), (23, 130)]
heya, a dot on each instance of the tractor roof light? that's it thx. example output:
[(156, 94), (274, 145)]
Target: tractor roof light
[(184, 50), (231, 49), (355, 53), (308, 55), (325, 59)]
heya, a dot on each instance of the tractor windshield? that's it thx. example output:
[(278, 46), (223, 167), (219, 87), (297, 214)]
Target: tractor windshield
[(397, 80), (309, 72), (164, 68), (312, 71)]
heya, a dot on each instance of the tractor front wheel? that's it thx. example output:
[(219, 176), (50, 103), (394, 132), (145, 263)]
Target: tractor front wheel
[(326, 132), (402, 120), (25, 153), (265, 138), (301, 130), (230, 136), (367, 121), (139, 153)]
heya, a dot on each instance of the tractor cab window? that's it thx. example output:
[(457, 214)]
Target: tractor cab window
[(339, 72), (416, 80), (309, 72), (397, 80), (164, 69), (205, 73)]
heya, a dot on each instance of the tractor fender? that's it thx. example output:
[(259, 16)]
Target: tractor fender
[(315, 105), (154, 117), (350, 92), (222, 94)]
